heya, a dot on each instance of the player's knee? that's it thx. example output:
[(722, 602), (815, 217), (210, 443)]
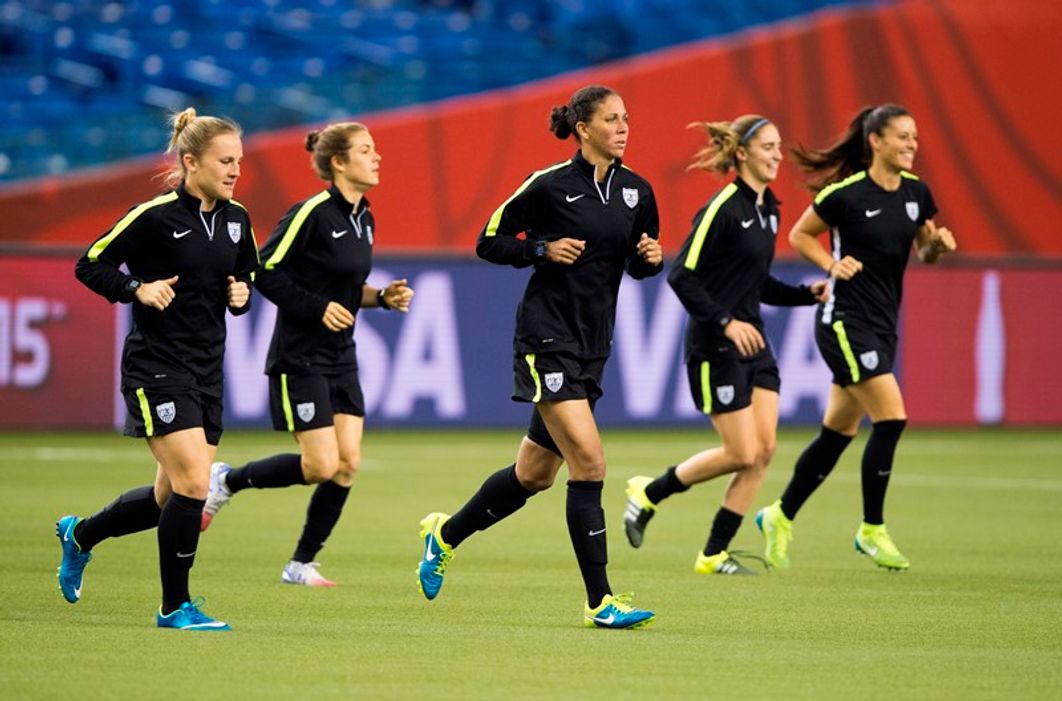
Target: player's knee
[(319, 468), (348, 468), (742, 457), (590, 468), (537, 483), (766, 454)]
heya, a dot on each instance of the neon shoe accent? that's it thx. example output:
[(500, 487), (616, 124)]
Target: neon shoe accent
[(777, 532), (189, 617), (72, 567), (639, 510), (875, 543), (616, 612), (218, 493), (304, 573), (722, 563), (436, 556)]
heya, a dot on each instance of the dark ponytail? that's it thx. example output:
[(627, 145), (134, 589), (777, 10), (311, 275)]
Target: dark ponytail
[(849, 153), (580, 108)]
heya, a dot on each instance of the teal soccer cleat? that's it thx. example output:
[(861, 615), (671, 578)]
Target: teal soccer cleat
[(436, 557), (72, 567), (189, 617), (616, 612)]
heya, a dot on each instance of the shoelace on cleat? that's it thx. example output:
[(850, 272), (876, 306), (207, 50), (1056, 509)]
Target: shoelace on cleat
[(749, 555)]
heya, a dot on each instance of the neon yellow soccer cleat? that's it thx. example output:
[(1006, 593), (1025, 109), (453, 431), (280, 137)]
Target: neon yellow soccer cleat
[(875, 543), (777, 532)]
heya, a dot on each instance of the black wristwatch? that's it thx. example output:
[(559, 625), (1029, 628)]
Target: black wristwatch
[(380, 301), (724, 320), (131, 286), (541, 247)]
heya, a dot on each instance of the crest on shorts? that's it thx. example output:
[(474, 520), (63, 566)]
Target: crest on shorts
[(630, 196), (869, 359), (912, 210), (774, 223), (306, 411), (725, 393), (234, 231), (166, 412), (554, 380)]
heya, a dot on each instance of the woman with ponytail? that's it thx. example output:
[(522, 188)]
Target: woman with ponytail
[(875, 209), (585, 221), (314, 268), (189, 254), (721, 275)]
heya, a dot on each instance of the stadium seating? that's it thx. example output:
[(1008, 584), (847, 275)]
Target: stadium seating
[(88, 81)]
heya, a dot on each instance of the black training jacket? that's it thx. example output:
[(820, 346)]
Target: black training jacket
[(572, 308), (723, 269), (183, 345), (320, 252)]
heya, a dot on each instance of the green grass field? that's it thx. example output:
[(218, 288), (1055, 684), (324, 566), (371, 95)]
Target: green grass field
[(979, 615)]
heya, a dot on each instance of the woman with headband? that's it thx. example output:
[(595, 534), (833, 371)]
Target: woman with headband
[(721, 276), (875, 209)]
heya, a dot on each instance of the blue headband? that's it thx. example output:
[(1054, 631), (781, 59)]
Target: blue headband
[(753, 129)]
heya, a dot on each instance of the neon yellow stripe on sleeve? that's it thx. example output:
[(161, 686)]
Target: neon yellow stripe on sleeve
[(495, 219), (293, 228), (706, 221), (830, 189), (123, 224)]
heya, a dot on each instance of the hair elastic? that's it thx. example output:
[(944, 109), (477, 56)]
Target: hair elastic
[(753, 129)]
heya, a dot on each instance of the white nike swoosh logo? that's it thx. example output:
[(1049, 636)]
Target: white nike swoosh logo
[(608, 620), (186, 554), (593, 533), (77, 593), (182, 234), (872, 213), (747, 224), (337, 234), (872, 551), (66, 536), (428, 554), (573, 199)]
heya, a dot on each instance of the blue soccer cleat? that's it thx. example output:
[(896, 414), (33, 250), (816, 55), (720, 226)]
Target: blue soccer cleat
[(437, 555), (616, 612), (72, 568), (189, 617)]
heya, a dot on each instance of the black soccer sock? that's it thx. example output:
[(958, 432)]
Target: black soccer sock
[(275, 471), (812, 467), (326, 505), (724, 527), (586, 527), (501, 495), (877, 467), (664, 486), (132, 512), (178, 539)]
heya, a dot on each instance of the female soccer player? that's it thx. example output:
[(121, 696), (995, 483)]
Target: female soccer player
[(586, 221), (190, 254), (875, 209), (315, 265), (721, 275)]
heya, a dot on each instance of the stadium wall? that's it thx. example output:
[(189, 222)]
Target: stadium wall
[(976, 75), (973, 343)]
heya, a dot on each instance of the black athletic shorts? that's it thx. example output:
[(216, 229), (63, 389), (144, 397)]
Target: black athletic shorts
[(854, 354), (303, 402), (158, 412), (545, 377), (725, 385)]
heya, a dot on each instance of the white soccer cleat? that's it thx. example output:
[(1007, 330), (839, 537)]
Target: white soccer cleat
[(218, 493), (304, 573)]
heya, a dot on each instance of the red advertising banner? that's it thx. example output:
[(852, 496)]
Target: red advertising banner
[(57, 347), (979, 346)]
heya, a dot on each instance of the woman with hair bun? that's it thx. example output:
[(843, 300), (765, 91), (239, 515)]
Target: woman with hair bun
[(190, 253), (586, 220), (315, 266), (721, 275), (876, 209)]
